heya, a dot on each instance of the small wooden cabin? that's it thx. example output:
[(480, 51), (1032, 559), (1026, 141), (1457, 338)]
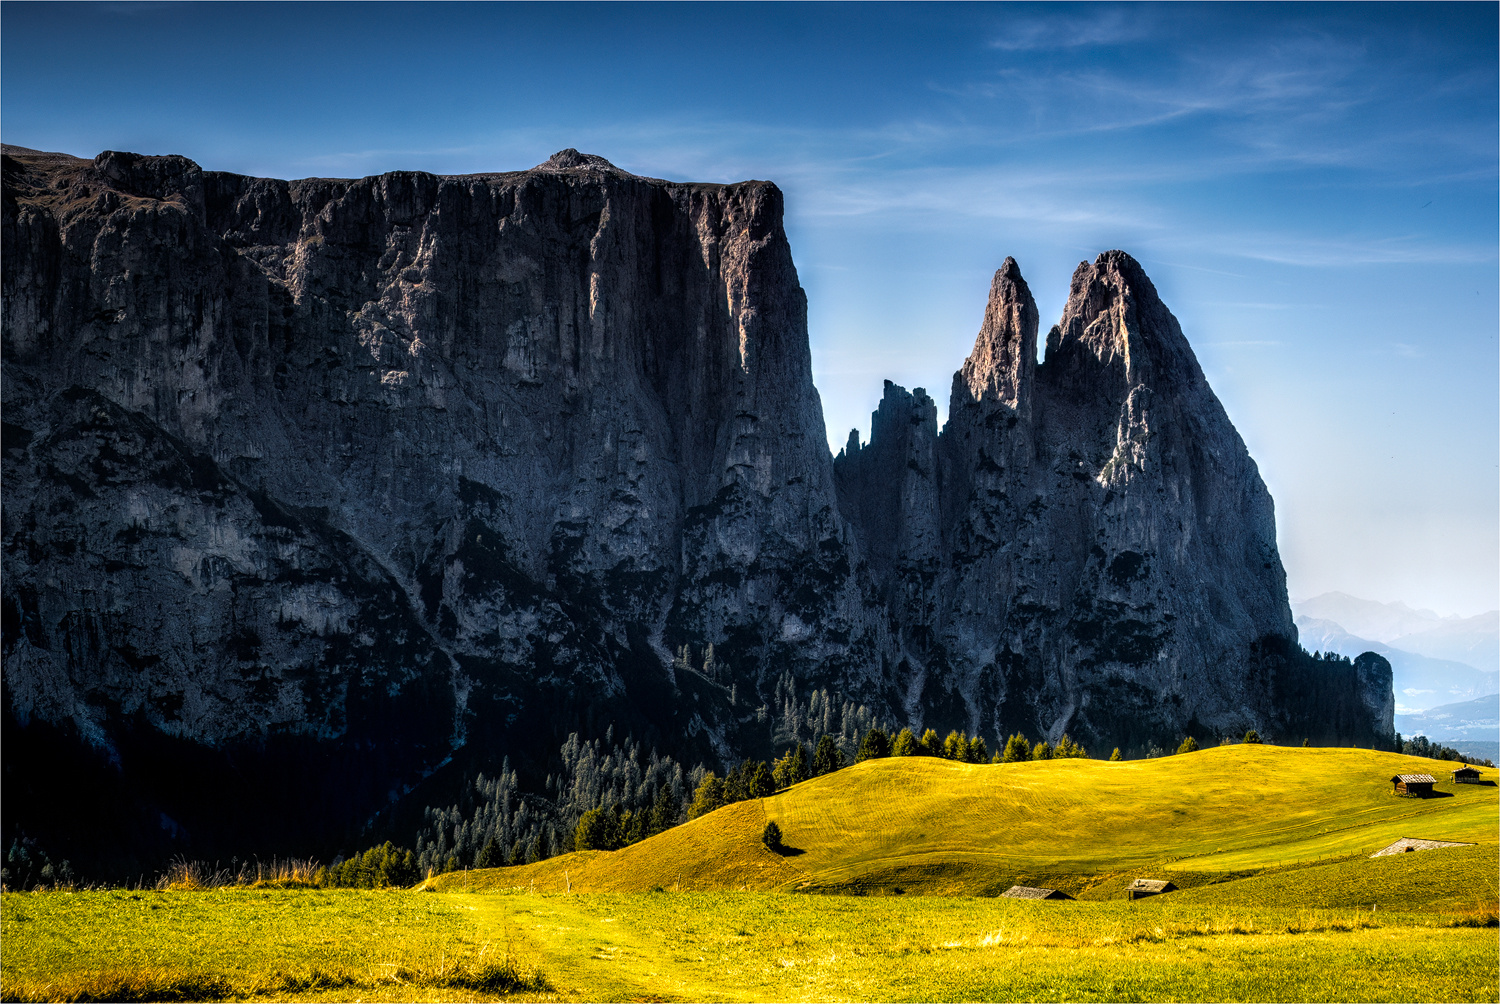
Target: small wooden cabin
[(1413, 784), (1034, 892), (1141, 888), (1466, 775)]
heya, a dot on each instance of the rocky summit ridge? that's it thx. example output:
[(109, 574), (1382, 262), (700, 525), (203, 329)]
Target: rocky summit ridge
[(327, 487)]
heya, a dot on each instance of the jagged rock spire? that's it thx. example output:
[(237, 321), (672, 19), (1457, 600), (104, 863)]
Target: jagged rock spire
[(1004, 358)]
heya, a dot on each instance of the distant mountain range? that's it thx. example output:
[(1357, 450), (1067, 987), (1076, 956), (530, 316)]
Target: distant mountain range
[(1468, 721), (1435, 660)]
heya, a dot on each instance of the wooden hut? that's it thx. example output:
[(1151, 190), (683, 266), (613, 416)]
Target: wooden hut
[(1413, 784), (1466, 775), (1034, 892), (1141, 888)]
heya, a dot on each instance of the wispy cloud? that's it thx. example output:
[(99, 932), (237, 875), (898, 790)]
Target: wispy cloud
[(1101, 26)]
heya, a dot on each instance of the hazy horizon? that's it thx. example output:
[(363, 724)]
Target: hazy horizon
[(1312, 188)]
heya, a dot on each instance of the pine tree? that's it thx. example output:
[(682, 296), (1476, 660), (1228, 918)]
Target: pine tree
[(1017, 748), (492, 855), (708, 797), (761, 784), (799, 764), (1116, 757), (905, 744), (827, 758), (792, 768), (1398, 745), (1041, 751), (1068, 749), (663, 810), (874, 746), (979, 751), (955, 746), (931, 744), (735, 784), (1189, 745), (598, 830)]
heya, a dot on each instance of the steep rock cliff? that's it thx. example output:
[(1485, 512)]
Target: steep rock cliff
[(405, 463)]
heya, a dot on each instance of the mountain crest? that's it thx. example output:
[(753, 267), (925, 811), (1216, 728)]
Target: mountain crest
[(571, 160)]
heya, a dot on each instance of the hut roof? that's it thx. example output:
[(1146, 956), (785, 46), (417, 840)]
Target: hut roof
[(1152, 885), (1466, 769), (1033, 892), (1414, 779)]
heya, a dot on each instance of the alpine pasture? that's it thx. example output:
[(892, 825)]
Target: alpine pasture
[(884, 889)]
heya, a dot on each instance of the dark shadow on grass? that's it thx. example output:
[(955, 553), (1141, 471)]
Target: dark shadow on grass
[(788, 852)]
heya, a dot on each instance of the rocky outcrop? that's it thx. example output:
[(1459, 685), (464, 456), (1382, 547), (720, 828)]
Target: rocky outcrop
[(342, 483)]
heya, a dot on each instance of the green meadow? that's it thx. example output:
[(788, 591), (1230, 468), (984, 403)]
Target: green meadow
[(887, 893)]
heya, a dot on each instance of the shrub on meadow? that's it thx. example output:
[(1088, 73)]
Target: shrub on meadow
[(1189, 745), (771, 837), (1252, 737), (1116, 756)]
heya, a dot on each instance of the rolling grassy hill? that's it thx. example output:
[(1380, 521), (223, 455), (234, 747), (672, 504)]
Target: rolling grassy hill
[(935, 827)]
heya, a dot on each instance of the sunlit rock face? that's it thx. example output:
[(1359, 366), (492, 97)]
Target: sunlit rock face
[(346, 481)]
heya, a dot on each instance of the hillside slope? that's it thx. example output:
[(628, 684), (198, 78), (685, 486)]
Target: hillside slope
[(922, 825)]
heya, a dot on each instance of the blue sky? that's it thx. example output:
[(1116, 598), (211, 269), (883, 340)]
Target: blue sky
[(1313, 189)]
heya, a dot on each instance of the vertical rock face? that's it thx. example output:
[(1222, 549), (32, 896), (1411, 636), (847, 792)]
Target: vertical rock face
[(406, 464), (314, 487)]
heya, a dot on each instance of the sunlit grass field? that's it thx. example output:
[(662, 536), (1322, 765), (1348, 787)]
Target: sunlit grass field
[(1087, 827), (1253, 921)]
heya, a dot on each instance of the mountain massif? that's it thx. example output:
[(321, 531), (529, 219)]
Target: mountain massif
[(318, 491)]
